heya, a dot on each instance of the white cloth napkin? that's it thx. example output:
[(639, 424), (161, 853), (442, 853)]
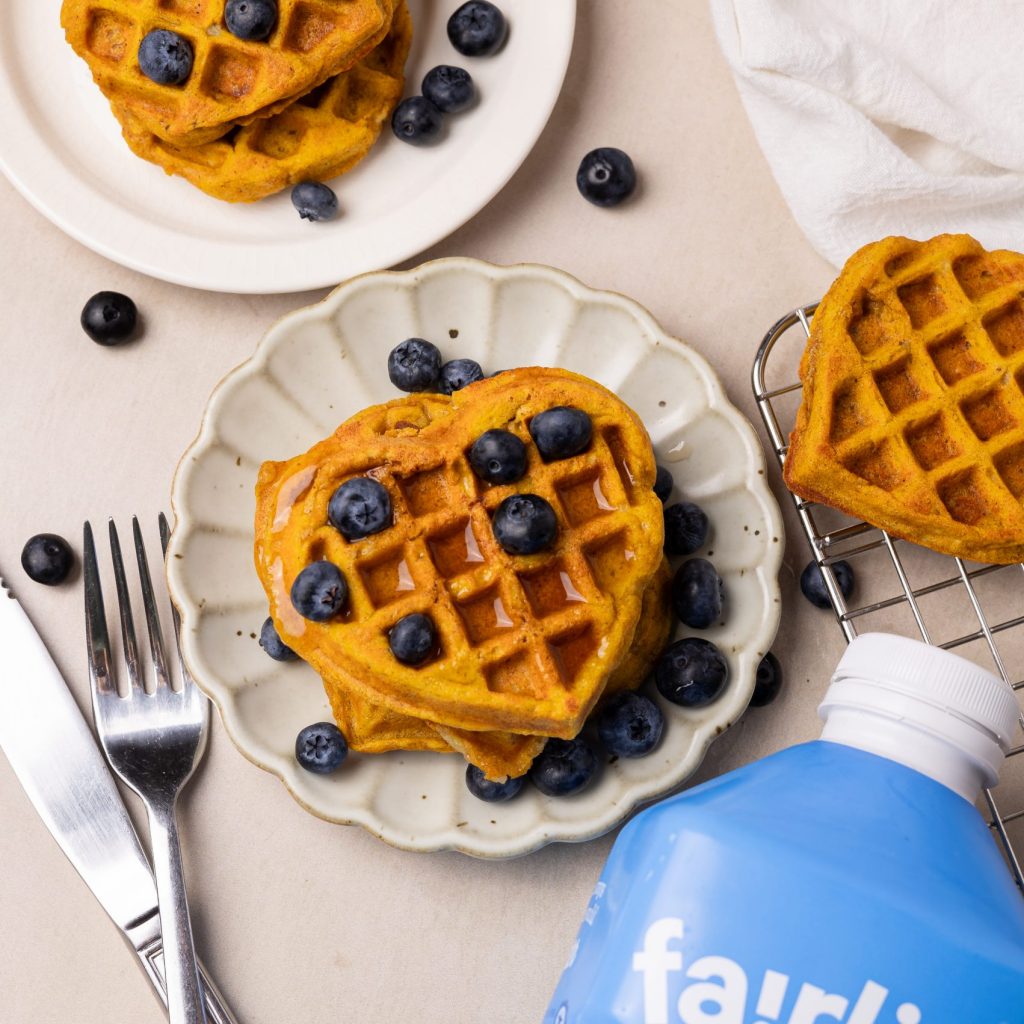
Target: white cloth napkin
[(883, 117)]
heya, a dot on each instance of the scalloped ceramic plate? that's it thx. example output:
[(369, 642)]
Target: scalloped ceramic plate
[(319, 365), (62, 149)]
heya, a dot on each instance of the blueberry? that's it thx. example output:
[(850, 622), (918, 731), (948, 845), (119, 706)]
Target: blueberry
[(493, 792), (563, 767), (417, 121), (477, 29), (498, 457), (413, 639), (457, 374), (663, 484), (165, 57), (450, 89), (320, 748), (47, 558), (414, 365), (319, 591), (692, 672), (686, 528), (697, 593), (812, 583), (272, 643), (630, 725), (768, 681), (359, 507), (109, 318), (561, 432), (606, 176), (250, 19), (525, 524), (315, 201)]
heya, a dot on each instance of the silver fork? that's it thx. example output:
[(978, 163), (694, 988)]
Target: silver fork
[(154, 742)]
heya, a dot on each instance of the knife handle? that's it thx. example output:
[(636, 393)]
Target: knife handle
[(152, 958)]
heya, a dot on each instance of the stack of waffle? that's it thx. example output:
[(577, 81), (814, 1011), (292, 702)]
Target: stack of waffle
[(252, 118), (527, 644)]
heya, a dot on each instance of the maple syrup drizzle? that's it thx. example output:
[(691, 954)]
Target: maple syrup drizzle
[(602, 501), (572, 595), (291, 492), (405, 580), (473, 553)]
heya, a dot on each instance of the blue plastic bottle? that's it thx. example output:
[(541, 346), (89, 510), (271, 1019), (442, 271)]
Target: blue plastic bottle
[(850, 879)]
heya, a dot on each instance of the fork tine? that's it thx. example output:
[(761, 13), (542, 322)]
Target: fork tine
[(165, 536), (156, 637), (124, 605), (96, 639)]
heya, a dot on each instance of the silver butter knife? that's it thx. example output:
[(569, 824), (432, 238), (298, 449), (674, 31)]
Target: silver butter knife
[(76, 796)]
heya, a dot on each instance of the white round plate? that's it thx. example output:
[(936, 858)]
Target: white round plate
[(62, 149), (318, 366)]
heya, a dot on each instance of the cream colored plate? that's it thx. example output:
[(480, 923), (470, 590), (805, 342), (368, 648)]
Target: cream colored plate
[(62, 149), (319, 365)]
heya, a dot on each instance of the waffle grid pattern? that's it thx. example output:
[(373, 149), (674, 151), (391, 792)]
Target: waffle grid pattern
[(232, 79), (853, 540), (321, 135), (943, 410), (530, 619)]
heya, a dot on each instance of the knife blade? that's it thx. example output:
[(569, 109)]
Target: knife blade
[(76, 796)]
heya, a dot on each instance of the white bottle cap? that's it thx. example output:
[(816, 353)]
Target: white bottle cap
[(924, 707)]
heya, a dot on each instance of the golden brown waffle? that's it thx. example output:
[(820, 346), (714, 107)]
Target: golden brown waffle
[(372, 728), (233, 81), (321, 135), (913, 414), (527, 643)]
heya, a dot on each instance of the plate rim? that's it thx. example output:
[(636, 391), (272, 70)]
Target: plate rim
[(768, 571), (22, 130)]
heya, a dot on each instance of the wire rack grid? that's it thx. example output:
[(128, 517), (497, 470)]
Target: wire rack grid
[(942, 600)]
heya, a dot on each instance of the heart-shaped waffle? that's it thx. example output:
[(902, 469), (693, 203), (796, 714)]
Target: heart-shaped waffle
[(321, 135), (372, 728), (912, 416), (527, 643), (233, 81)]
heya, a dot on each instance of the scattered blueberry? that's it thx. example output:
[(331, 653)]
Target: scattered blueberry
[(315, 201), (561, 432), (691, 672), (414, 365), (450, 89), (250, 19), (686, 528), (663, 484), (457, 374), (417, 121), (606, 176), (165, 57), (493, 792), (47, 558), (768, 681), (630, 724), (271, 642), (812, 583), (525, 524), (563, 767), (498, 457), (697, 593), (359, 507), (477, 29), (413, 639), (319, 591), (109, 318), (320, 748)]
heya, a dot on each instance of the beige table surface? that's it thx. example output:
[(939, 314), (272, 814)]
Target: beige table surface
[(300, 920)]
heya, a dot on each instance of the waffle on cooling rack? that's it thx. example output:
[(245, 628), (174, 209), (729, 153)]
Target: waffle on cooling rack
[(527, 643), (912, 416), (321, 135), (233, 81)]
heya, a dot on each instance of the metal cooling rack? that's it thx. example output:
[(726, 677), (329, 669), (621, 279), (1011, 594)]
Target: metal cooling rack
[(922, 583)]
